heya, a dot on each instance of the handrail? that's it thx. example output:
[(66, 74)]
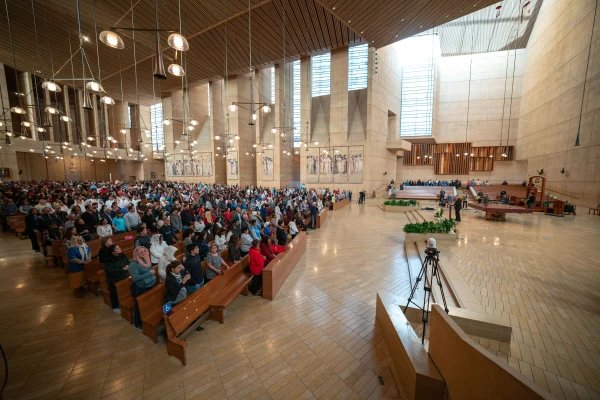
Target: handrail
[(564, 194)]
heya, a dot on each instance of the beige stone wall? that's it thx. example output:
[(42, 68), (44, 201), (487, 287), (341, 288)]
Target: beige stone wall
[(489, 111), (553, 91)]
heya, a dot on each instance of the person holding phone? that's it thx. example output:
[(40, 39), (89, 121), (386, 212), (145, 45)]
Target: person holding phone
[(176, 283)]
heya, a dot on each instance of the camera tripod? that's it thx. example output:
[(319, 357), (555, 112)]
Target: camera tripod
[(432, 258)]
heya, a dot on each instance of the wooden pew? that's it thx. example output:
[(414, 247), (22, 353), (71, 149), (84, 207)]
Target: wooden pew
[(321, 218), (338, 205), (92, 269), (235, 281), (126, 300), (275, 274), (104, 288), (151, 310), (185, 317), (215, 296)]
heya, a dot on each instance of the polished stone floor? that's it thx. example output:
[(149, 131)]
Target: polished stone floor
[(318, 338)]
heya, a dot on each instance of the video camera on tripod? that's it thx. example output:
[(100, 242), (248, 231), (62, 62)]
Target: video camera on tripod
[(431, 249), (429, 272)]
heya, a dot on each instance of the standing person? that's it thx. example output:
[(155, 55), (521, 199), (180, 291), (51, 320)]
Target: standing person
[(235, 254), (157, 248), (175, 283), (350, 195), (142, 279), (30, 228), (115, 268), (442, 194), (257, 264), (457, 207), (466, 200), (79, 254), (246, 241), (119, 223), (132, 219), (313, 215), (142, 238), (214, 262), (168, 232), (280, 233), (193, 266), (530, 200)]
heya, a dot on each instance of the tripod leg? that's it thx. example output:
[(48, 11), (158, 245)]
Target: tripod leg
[(426, 300), (414, 289), (439, 282)]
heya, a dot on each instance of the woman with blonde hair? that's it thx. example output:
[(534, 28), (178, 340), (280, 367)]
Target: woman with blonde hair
[(79, 254)]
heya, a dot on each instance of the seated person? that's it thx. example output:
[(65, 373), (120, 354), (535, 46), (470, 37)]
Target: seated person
[(276, 248), (83, 230), (214, 262), (281, 234)]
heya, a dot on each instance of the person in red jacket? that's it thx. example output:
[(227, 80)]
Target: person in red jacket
[(266, 251), (257, 264), (276, 248)]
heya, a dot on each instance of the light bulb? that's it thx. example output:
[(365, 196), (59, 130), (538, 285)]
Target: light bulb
[(176, 69), (65, 118), (273, 130), (26, 124), (305, 145), (236, 137), (254, 145), (232, 108), (296, 152), (177, 142), (284, 152), (190, 128), (167, 122), (178, 42), (17, 110), (94, 86), (23, 137), (217, 137), (270, 146), (193, 122), (247, 153), (266, 109), (123, 131), (218, 148), (316, 143), (51, 86), (111, 39), (107, 100), (466, 153), (254, 117), (40, 129), (230, 140), (90, 138), (51, 110)]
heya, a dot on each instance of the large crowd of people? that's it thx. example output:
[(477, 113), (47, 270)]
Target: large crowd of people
[(210, 218)]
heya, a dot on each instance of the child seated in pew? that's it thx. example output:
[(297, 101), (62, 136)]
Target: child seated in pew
[(193, 266), (116, 265)]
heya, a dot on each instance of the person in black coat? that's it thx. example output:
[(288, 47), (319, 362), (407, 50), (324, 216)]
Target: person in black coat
[(176, 283), (457, 207), (30, 228), (90, 218), (281, 234)]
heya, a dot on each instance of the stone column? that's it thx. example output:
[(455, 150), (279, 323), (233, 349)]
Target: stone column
[(305, 112), (5, 102), (338, 111), (25, 86)]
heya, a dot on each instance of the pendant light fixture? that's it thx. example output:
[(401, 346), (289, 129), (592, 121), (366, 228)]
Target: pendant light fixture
[(51, 86), (18, 109), (112, 39), (178, 42)]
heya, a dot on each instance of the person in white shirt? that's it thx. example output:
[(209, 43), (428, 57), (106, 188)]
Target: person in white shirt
[(157, 248), (167, 257), (104, 229), (199, 225), (293, 229), (221, 239)]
